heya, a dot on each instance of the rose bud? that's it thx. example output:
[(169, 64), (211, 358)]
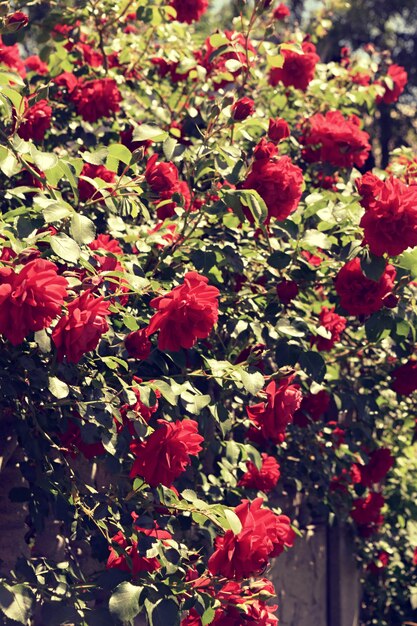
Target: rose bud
[(16, 21), (242, 108), (138, 345), (278, 129)]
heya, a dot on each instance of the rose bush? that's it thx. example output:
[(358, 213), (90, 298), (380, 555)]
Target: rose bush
[(206, 310)]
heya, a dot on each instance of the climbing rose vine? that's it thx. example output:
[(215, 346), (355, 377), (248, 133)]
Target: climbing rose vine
[(206, 309)]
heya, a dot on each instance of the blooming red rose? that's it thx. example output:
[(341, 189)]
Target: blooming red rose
[(30, 299), (165, 455), (281, 12), (138, 345), (95, 99), (298, 68), (359, 295), (334, 324), (68, 81), (85, 189), (105, 242), (79, 331), (189, 10), (278, 129), (399, 78), (405, 378), (379, 464), (242, 108), (369, 187), (10, 56), (279, 182), (264, 478), (272, 416), (36, 121), (264, 535), (90, 55), (287, 290), (161, 177), (390, 219), (335, 139), (185, 314), (313, 406), (265, 150), (366, 513), (16, 21), (35, 64)]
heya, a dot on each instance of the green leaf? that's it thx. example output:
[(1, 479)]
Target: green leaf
[(53, 210), (373, 266), (313, 364), (253, 383), (65, 247), (16, 602), (408, 260), (124, 602), (120, 152), (146, 131), (256, 205), (43, 160), (166, 391), (82, 228), (279, 260), (58, 388), (165, 611), (233, 521)]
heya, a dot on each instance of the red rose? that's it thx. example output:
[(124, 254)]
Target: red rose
[(405, 378), (272, 417), (105, 242), (73, 442), (366, 513), (95, 99), (281, 12), (189, 10), (369, 187), (379, 464), (415, 557), (334, 139), (91, 56), (264, 478), (298, 68), (287, 290), (162, 178), (30, 299), (381, 563), (359, 295), (334, 324), (36, 121), (399, 78), (313, 406), (131, 560), (79, 331), (10, 56), (138, 345), (242, 108), (35, 64), (85, 189), (165, 455), (278, 129), (263, 536), (68, 81), (265, 150), (185, 314), (137, 412), (16, 21), (279, 182), (390, 219)]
